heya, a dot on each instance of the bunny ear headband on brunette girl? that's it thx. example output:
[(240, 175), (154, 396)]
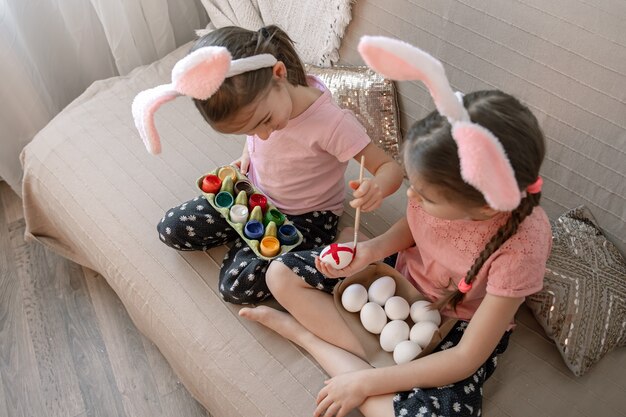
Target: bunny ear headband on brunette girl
[(484, 164), (199, 75)]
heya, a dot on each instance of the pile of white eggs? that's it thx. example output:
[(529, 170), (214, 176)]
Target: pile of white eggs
[(384, 313)]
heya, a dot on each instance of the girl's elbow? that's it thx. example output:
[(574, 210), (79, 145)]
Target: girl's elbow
[(467, 363)]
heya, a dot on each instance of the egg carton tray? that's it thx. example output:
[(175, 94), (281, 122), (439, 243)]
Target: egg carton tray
[(239, 227), (374, 354)]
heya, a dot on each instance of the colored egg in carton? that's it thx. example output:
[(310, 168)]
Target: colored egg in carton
[(260, 224)]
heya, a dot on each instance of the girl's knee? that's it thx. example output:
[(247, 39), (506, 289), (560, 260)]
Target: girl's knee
[(169, 234), (279, 277), (166, 234), (272, 276)]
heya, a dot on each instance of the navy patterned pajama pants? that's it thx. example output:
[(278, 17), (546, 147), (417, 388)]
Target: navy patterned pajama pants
[(196, 225), (461, 399)]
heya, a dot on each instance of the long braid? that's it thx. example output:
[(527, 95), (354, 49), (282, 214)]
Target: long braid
[(431, 153), (502, 235)]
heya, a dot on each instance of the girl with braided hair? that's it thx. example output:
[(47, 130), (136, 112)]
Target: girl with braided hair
[(299, 142), (474, 242)]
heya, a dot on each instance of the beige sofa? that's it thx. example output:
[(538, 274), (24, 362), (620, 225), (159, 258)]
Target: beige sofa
[(93, 194)]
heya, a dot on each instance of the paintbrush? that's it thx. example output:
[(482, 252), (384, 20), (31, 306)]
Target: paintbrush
[(357, 216)]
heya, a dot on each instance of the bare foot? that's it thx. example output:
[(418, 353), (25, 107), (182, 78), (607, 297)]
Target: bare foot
[(282, 323)]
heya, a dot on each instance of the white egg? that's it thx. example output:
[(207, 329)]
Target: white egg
[(406, 351), (394, 332), (397, 308), (354, 298), (373, 318), (381, 290), (337, 255), (420, 311), (422, 333)]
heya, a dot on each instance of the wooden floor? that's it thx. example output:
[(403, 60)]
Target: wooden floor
[(67, 345)]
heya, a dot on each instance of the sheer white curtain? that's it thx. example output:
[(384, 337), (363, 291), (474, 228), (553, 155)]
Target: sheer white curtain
[(51, 50)]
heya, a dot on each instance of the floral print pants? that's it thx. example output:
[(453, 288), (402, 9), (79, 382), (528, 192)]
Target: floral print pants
[(463, 398), (196, 225)]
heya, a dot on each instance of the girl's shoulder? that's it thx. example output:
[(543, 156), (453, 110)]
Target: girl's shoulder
[(536, 224), (533, 236), (517, 268)]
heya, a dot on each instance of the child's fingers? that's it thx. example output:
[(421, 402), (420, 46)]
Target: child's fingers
[(371, 204), (322, 267), (370, 200), (321, 395), (367, 203), (357, 202), (360, 189), (333, 410), (244, 166), (326, 270)]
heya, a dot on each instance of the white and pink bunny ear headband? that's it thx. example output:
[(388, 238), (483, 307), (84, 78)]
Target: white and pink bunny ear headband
[(199, 75), (484, 164)]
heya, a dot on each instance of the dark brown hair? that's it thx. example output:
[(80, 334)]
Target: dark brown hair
[(431, 151), (241, 90)]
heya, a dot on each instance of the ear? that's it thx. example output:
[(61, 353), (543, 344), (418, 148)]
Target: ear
[(485, 166), (488, 211), (398, 60), (202, 72), (279, 70), (145, 104)]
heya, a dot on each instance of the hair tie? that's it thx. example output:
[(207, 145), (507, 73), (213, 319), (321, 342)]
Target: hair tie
[(464, 287), (264, 32), (535, 187)]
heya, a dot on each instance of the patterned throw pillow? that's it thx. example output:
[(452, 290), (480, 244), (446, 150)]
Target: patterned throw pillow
[(371, 97), (582, 306)]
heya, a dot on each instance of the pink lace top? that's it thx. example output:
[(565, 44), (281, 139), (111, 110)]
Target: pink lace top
[(446, 249)]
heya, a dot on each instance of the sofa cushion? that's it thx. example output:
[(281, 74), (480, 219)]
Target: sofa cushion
[(582, 306), (372, 99)]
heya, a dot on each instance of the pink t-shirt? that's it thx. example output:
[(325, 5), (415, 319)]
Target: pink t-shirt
[(301, 167), (446, 249)]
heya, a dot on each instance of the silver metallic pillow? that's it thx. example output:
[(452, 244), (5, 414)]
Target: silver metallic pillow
[(371, 97), (582, 306)]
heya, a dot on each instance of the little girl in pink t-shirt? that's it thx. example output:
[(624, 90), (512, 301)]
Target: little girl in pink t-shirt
[(474, 242), (298, 146)]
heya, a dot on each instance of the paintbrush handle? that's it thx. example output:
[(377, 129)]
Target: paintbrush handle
[(357, 216)]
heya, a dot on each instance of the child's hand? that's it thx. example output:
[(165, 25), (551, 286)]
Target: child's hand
[(361, 260), (341, 394), (367, 195), (243, 163)]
